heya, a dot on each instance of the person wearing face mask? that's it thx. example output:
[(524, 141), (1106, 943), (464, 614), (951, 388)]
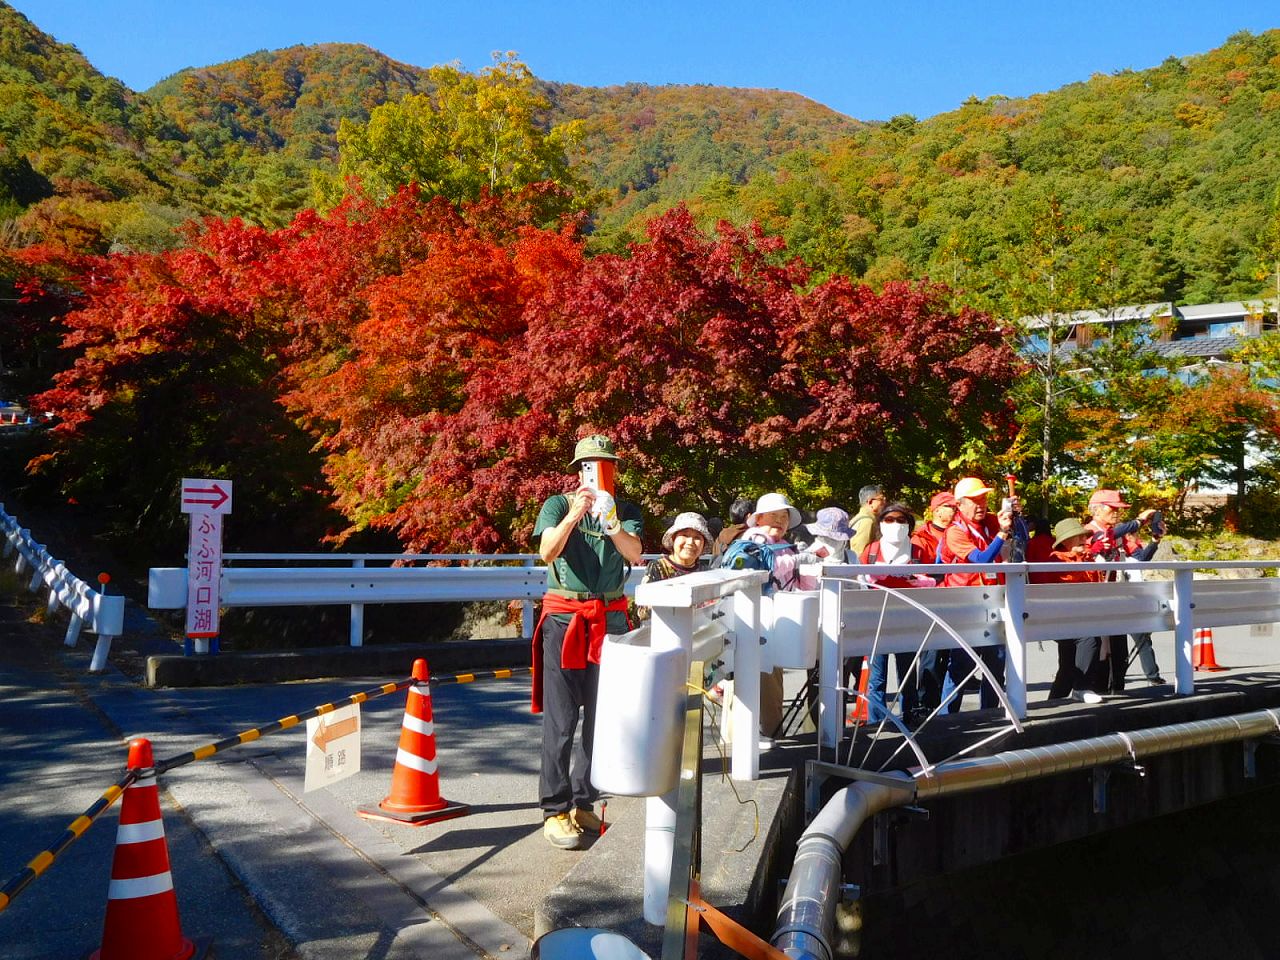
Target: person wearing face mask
[(892, 545), (975, 536), (830, 531)]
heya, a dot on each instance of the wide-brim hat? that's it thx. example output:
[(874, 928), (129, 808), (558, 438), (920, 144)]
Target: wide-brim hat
[(687, 521), (831, 523), (1064, 530), (775, 501), (1108, 498), (594, 447)]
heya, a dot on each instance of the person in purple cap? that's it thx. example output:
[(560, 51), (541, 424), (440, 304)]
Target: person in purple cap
[(830, 531)]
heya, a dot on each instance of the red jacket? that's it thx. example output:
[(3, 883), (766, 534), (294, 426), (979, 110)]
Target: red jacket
[(963, 537)]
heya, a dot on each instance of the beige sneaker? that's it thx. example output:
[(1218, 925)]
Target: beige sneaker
[(561, 832), (586, 820)]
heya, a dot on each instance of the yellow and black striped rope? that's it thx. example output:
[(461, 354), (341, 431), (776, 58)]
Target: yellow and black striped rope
[(506, 673), (42, 861), (284, 723)]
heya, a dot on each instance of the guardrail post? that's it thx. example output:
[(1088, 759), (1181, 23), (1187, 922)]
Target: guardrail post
[(100, 651), (830, 707), (745, 714), (1015, 612), (73, 630), (1183, 631), (357, 613), (527, 619), (20, 564), (671, 628)]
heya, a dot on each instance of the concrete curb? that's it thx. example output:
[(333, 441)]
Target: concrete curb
[(390, 660)]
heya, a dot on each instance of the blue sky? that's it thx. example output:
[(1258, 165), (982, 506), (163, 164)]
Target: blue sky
[(868, 60)]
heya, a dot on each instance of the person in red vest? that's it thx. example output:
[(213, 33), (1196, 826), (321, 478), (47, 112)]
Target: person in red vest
[(927, 537), (587, 540), (1070, 544), (1114, 540), (975, 536), (893, 545)]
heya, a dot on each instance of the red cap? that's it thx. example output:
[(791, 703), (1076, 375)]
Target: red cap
[(1107, 498), (944, 499)]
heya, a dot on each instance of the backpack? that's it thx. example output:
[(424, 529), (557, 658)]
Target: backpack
[(750, 555)]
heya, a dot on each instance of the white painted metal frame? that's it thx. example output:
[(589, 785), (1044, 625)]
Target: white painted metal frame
[(88, 608), (1016, 613), (674, 603)]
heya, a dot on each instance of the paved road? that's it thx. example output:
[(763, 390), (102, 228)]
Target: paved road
[(299, 874), (334, 884), (60, 754)]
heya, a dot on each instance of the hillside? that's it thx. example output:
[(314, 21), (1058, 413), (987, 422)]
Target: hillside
[(646, 147), (1158, 184), (84, 160)]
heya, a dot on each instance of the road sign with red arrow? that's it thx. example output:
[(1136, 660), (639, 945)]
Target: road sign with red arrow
[(206, 496)]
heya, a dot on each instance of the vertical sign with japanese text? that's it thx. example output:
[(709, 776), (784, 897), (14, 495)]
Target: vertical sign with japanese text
[(207, 501)]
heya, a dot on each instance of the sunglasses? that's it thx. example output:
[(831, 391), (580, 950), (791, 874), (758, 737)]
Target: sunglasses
[(894, 520)]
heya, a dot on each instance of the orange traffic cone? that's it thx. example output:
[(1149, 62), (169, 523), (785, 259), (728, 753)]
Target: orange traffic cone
[(858, 713), (415, 786), (142, 909), (1202, 656)]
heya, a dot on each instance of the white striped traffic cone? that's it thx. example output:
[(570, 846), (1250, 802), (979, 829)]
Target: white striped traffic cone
[(415, 785), (142, 908)]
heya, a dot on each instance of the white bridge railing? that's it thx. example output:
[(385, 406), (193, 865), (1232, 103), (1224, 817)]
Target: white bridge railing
[(856, 621), (89, 609), (357, 579)]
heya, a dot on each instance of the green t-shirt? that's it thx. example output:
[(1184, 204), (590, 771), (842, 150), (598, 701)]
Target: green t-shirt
[(589, 564)]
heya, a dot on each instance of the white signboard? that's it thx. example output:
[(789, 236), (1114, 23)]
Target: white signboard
[(206, 496), (204, 571), (333, 747)]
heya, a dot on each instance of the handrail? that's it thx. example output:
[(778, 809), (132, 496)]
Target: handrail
[(101, 613), (1015, 612), (805, 922)]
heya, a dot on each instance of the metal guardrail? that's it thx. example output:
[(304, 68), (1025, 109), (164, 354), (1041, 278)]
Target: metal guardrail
[(355, 584), (88, 608), (860, 622)]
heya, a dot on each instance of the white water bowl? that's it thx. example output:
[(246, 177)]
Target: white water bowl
[(585, 943)]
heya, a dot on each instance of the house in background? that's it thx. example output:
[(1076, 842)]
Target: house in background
[(1205, 332)]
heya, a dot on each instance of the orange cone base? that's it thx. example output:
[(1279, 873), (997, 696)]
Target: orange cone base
[(1211, 668), (414, 818), (194, 949)]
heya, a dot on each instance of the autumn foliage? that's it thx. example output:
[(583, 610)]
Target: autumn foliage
[(427, 368)]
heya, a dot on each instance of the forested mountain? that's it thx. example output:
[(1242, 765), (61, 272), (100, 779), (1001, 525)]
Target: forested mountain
[(243, 137), (1143, 185), (1158, 184)]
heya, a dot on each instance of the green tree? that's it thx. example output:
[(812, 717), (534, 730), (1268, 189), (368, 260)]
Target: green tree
[(475, 132)]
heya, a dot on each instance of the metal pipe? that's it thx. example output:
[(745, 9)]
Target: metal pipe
[(806, 916)]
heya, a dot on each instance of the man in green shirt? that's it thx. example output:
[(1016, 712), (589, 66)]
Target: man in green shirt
[(588, 541)]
